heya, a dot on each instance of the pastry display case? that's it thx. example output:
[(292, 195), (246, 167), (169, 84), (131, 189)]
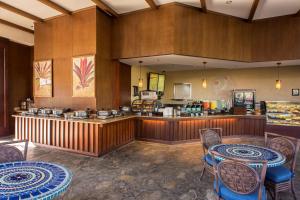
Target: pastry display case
[(283, 113)]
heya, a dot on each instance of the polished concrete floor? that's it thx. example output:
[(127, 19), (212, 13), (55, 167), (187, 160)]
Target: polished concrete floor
[(141, 170)]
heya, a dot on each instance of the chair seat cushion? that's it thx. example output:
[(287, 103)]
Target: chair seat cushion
[(208, 159), (278, 174), (227, 194)]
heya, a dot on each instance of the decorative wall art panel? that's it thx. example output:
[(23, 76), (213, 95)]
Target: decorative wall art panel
[(84, 76), (42, 74)]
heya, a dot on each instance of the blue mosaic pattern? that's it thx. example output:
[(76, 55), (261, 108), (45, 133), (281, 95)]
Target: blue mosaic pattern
[(249, 152), (32, 180)]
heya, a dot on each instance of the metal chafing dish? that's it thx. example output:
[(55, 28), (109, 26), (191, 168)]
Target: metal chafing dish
[(45, 111), (31, 111), (104, 114), (81, 114), (58, 112)]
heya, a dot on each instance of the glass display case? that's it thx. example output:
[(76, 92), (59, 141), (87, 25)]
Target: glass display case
[(283, 113)]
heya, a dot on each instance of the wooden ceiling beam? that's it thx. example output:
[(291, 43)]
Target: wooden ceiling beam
[(102, 6), (55, 7), (253, 10), (20, 12), (203, 6), (152, 4), (16, 26)]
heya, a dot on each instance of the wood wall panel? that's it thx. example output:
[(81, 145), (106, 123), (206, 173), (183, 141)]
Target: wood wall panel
[(60, 39), (211, 35), (178, 29), (276, 39), (145, 33), (15, 82)]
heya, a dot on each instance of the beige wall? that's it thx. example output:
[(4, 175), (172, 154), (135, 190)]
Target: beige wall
[(222, 81), (135, 74)]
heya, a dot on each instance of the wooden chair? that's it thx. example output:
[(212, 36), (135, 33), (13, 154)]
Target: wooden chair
[(236, 180), (10, 153), (209, 137), (281, 178)]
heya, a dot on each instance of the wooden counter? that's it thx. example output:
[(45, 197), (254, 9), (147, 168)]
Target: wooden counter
[(96, 137), (182, 129)]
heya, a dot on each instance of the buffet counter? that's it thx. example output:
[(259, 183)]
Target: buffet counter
[(96, 137), (87, 136), (186, 129)]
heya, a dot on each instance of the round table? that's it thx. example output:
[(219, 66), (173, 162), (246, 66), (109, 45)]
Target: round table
[(249, 152), (33, 180)]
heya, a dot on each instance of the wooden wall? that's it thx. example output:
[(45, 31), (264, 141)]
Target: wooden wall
[(276, 39), (60, 39), (83, 33), (211, 35), (145, 33), (178, 29), (20, 59), (15, 81)]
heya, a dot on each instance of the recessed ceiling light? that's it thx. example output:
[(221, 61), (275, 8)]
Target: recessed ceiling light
[(228, 2)]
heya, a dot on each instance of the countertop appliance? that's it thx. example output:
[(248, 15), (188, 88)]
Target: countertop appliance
[(244, 98)]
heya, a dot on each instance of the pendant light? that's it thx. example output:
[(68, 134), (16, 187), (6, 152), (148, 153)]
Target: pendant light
[(204, 81), (140, 84), (278, 81)]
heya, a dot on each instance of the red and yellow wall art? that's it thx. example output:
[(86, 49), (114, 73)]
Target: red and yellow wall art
[(84, 76)]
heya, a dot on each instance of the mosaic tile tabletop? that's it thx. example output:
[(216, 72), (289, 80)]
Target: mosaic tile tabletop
[(32, 180), (249, 152)]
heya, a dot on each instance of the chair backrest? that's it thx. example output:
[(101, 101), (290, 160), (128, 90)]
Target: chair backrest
[(10, 153), (210, 136), (239, 177), (287, 146)]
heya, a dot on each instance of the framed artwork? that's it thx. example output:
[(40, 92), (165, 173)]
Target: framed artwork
[(83, 70), (42, 75), (295, 92)]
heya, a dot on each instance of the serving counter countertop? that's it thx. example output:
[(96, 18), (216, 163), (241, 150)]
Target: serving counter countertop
[(116, 119), (90, 120), (201, 117)]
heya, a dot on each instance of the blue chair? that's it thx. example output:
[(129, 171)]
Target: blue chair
[(236, 180), (281, 178), (209, 137)]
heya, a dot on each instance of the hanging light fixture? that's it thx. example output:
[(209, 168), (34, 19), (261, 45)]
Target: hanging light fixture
[(140, 84), (278, 81), (204, 81)]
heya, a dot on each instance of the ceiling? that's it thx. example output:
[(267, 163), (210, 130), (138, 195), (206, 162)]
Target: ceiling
[(237, 8), (182, 63)]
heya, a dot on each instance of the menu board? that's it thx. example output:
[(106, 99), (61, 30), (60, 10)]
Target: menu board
[(156, 82), (161, 83), (153, 81)]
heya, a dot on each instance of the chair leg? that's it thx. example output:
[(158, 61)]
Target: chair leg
[(270, 193), (293, 189), (275, 195), (203, 170)]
